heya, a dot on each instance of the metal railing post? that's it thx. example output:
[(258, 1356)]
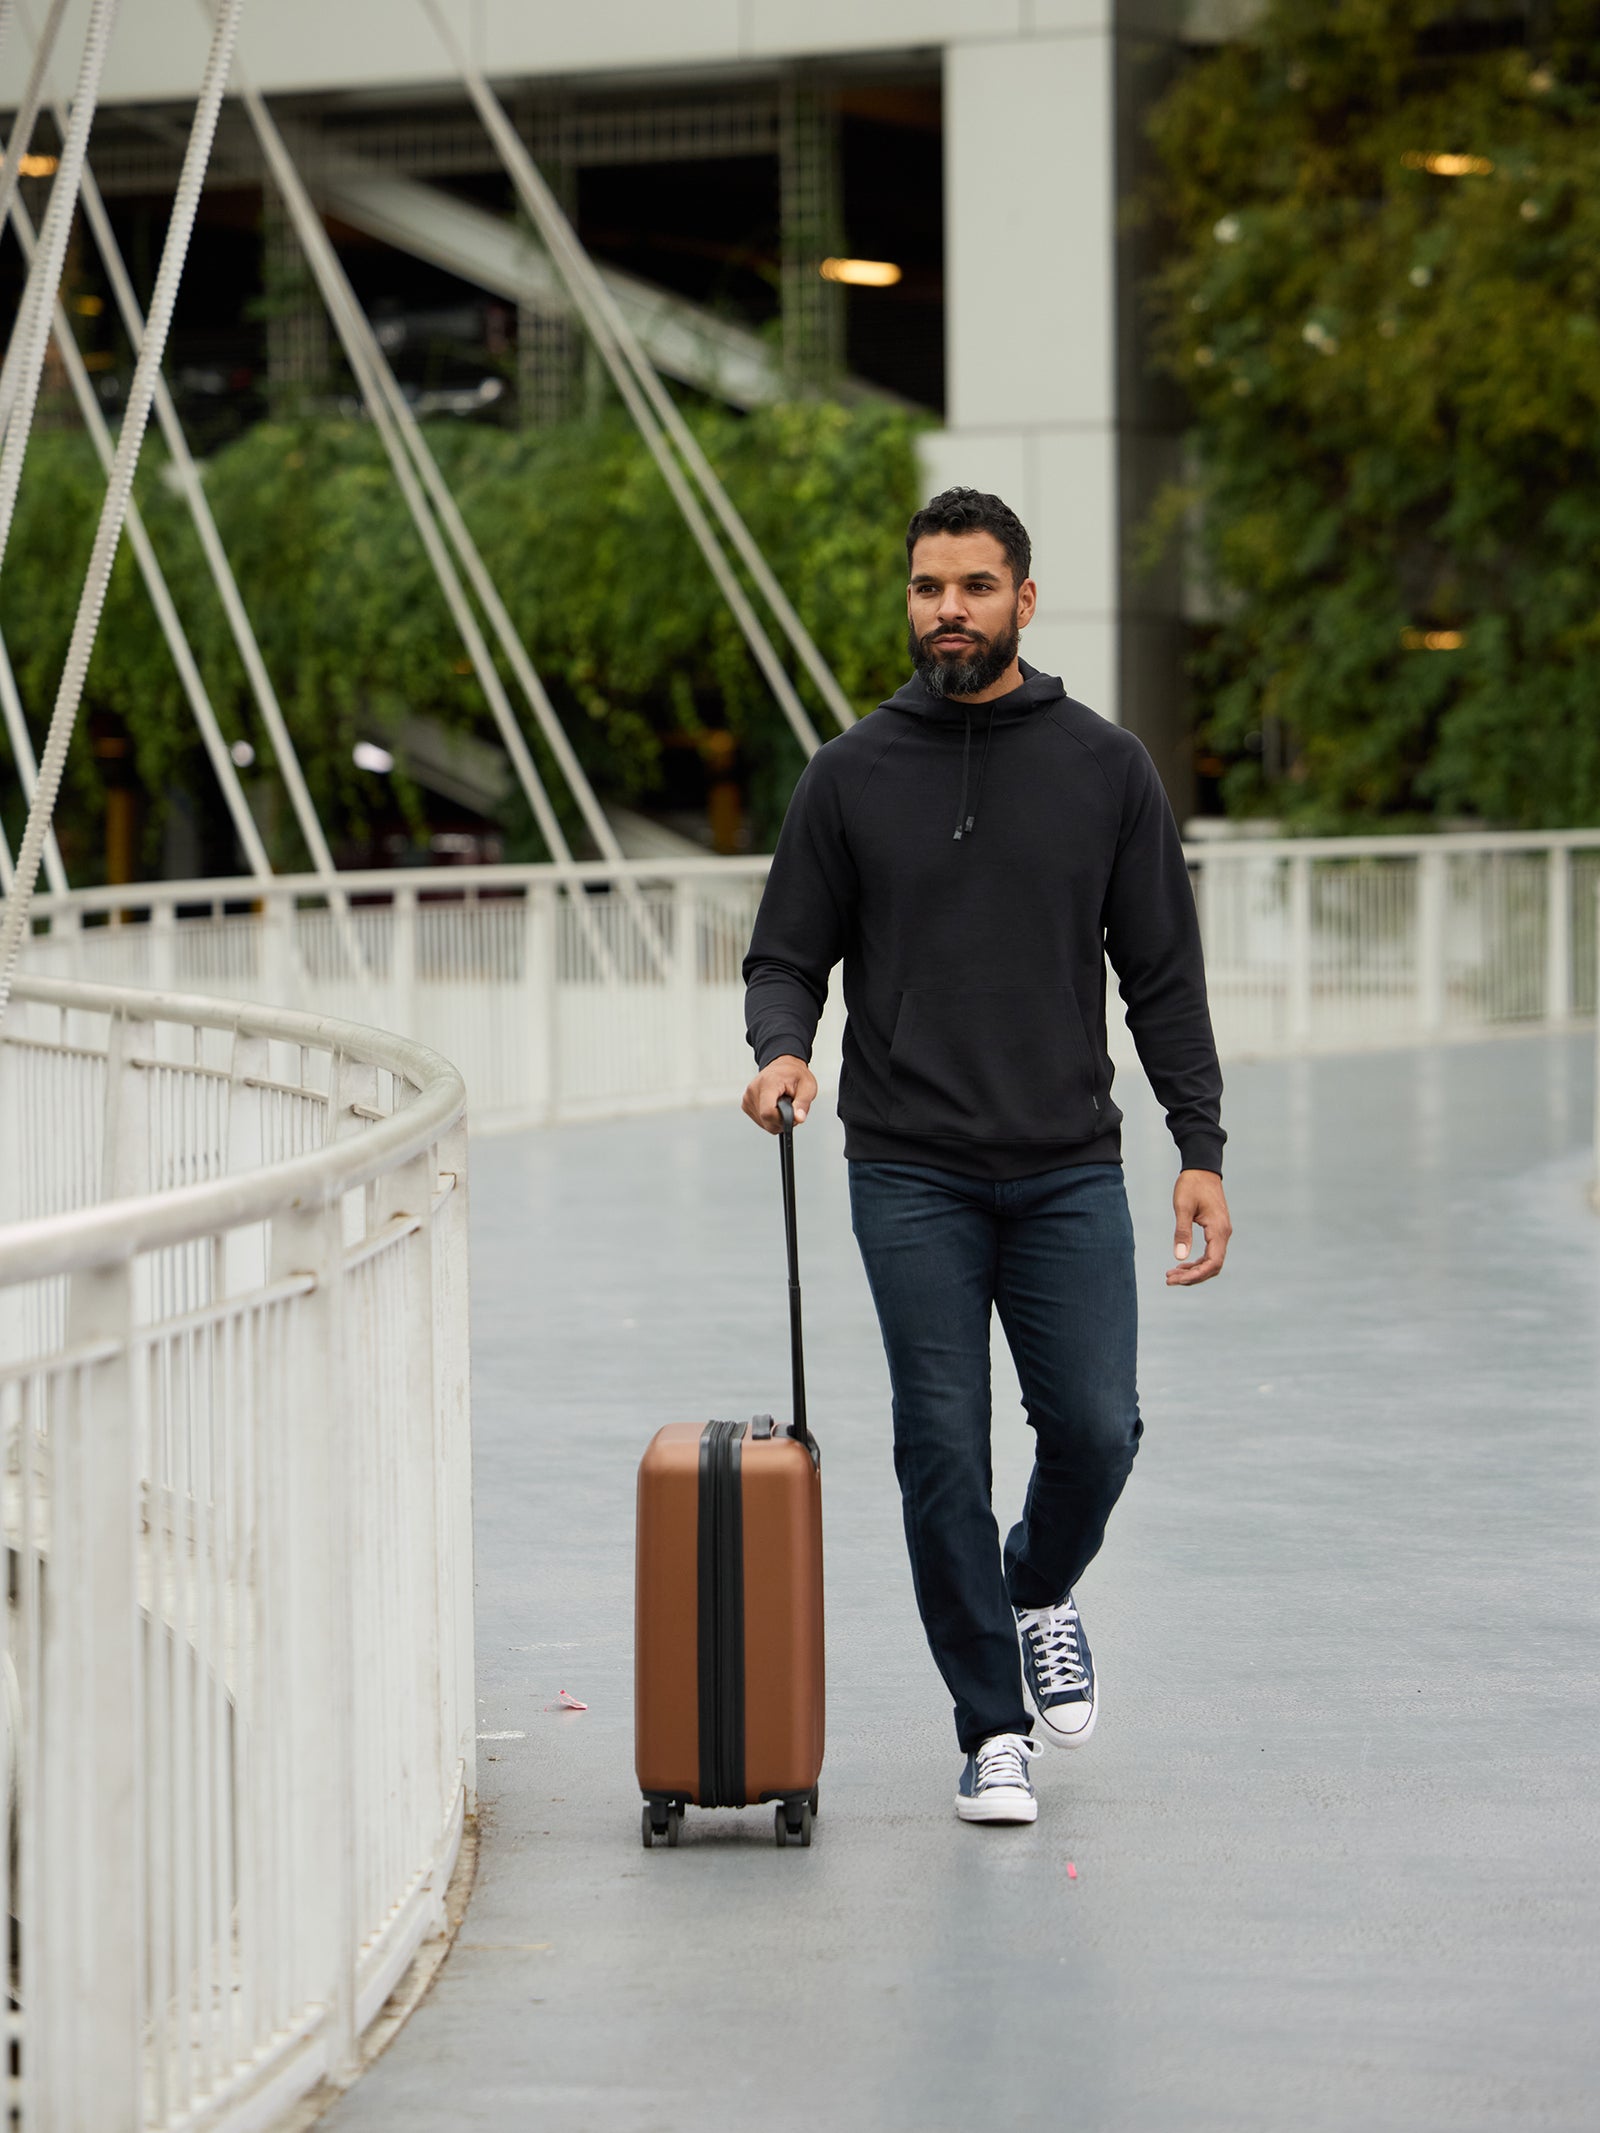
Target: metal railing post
[(452, 1406), (403, 959), (316, 1693), (1558, 935), (685, 988), (164, 946), (244, 1250), (1300, 948), (277, 947), (542, 1049), (1430, 946), (84, 1980)]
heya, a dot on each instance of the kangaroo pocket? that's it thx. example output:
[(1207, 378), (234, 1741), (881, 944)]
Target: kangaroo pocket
[(1002, 1066)]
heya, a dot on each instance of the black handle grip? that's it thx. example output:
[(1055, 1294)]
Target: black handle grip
[(791, 1237)]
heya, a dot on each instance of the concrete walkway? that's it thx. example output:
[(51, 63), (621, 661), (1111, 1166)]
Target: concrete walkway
[(1335, 1839)]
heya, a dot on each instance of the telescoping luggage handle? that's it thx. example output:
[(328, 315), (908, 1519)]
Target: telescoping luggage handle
[(791, 1235)]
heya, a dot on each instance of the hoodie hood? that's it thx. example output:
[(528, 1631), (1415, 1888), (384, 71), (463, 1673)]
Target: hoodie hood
[(1037, 692)]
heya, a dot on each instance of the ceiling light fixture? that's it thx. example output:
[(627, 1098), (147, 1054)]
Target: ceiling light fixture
[(1433, 640), (1446, 165), (861, 273)]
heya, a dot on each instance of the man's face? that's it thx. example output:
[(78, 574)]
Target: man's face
[(964, 611)]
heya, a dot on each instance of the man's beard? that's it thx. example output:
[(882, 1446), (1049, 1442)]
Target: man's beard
[(981, 661)]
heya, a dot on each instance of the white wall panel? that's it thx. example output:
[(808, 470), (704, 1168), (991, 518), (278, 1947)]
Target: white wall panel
[(1028, 231), (1049, 15), (1083, 651), (1072, 506), (996, 460), (524, 39), (776, 26)]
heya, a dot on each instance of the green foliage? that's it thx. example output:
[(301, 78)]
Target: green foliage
[(610, 594), (1395, 377)]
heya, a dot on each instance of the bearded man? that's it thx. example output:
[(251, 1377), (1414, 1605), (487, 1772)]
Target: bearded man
[(973, 853)]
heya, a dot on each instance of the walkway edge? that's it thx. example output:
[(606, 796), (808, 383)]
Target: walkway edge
[(407, 1996)]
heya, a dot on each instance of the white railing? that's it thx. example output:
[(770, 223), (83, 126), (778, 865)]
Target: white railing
[(571, 991), (235, 1483)]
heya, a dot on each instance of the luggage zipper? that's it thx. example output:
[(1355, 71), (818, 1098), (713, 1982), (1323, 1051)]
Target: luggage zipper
[(720, 1569)]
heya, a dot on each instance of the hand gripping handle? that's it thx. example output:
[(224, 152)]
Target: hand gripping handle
[(792, 1240)]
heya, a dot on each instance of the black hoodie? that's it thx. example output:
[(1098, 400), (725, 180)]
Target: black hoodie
[(974, 865)]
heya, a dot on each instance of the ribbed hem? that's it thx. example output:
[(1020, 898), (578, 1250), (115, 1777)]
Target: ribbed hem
[(793, 1045), (868, 1142), (1201, 1151)]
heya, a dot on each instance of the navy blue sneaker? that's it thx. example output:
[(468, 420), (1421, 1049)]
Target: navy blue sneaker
[(1059, 1671), (995, 1786)]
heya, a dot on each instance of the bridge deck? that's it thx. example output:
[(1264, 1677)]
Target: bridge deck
[(1335, 1838)]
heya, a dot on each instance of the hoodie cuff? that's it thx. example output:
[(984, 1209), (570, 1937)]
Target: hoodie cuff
[(1201, 1151), (790, 1046)]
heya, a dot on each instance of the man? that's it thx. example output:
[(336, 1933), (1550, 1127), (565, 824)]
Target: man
[(973, 852)]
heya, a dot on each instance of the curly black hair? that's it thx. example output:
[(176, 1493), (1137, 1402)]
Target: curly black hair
[(974, 511)]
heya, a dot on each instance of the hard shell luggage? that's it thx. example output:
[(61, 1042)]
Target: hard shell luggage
[(728, 1690)]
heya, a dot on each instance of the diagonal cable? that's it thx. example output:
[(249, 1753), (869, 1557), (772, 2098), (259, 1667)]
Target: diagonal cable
[(365, 361), (636, 379), (25, 355), (27, 768), (23, 125), (120, 486), (189, 675)]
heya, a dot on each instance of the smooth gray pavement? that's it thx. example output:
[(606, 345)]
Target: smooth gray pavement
[(1335, 1837)]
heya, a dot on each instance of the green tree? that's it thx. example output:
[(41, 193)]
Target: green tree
[(1383, 298), (601, 577)]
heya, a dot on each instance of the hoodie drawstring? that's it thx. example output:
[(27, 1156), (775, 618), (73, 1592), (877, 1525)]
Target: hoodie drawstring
[(966, 758), (965, 823)]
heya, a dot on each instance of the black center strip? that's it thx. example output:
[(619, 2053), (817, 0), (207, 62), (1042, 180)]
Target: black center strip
[(730, 1621), (706, 1611), (720, 1616)]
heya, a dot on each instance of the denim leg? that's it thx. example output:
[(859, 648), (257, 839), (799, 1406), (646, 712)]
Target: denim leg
[(1067, 1301), (928, 1241)]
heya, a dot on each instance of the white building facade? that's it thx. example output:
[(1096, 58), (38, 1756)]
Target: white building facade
[(1046, 398)]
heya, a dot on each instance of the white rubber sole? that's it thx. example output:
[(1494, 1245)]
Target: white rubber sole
[(998, 1807), (1069, 1740)]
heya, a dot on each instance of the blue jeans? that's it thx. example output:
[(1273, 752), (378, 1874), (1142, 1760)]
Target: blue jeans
[(1054, 1254)]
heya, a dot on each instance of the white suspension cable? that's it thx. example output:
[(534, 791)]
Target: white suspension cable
[(471, 559), (365, 361), (620, 346), (27, 114), (19, 381), (119, 488), (27, 769), (194, 687), (222, 575), (398, 428)]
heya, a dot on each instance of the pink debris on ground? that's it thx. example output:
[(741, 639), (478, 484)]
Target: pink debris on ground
[(1072, 1871), (566, 1701)]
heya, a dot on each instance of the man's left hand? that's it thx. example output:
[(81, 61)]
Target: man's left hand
[(1198, 1200)]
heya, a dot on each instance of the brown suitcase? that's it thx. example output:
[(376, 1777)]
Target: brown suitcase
[(728, 1690)]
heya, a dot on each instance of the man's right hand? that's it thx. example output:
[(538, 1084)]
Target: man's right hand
[(783, 1077)]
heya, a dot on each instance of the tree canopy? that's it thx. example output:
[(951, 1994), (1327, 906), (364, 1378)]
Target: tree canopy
[(1383, 299), (601, 577)]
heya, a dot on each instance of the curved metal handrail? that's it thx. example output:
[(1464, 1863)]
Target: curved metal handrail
[(116, 1229), (235, 1488)]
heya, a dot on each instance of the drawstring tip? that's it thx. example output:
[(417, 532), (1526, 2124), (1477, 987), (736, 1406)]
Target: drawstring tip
[(957, 837), (972, 823)]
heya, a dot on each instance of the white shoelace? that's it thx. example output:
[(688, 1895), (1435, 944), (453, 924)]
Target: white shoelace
[(1003, 1760), (1052, 1632)]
